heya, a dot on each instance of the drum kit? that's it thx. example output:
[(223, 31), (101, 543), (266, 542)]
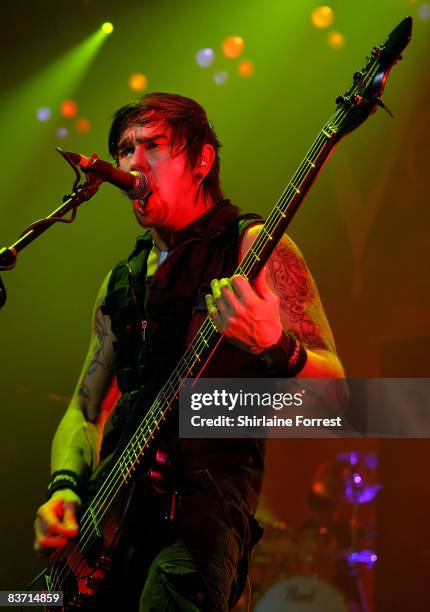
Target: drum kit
[(324, 565)]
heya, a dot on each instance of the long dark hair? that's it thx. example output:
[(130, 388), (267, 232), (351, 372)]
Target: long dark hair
[(189, 126)]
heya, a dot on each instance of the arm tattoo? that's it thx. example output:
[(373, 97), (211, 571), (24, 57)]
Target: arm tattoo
[(88, 391), (99, 358), (84, 392), (298, 296)]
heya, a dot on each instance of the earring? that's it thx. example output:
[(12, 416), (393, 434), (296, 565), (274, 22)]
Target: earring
[(198, 177)]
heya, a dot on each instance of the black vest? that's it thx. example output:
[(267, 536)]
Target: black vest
[(154, 319)]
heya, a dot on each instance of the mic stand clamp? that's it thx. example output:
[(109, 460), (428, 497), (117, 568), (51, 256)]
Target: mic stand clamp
[(81, 193)]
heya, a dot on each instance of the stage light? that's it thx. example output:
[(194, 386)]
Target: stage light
[(233, 46), (424, 12), (221, 77), (368, 557), (246, 68), (43, 113), (82, 126), (68, 108), (137, 81), (205, 57), (107, 27), (336, 40), (51, 85), (322, 17), (62, 132)]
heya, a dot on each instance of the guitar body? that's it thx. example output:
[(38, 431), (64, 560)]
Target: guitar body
[(84, 566)]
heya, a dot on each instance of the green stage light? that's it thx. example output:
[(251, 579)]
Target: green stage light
[(49, 87), (107, 27)]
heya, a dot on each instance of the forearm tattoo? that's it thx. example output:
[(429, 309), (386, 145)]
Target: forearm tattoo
[(298, 296)]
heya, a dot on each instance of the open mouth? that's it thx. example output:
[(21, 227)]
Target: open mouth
[(140, 205)]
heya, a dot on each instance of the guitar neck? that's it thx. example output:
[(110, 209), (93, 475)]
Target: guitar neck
[(289, 202)]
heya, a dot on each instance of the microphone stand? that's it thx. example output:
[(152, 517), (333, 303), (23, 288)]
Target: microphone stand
[(81, 193)]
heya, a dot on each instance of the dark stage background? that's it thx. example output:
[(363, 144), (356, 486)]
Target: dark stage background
[(364, 228)]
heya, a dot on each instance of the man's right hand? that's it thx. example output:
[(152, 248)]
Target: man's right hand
[(56, 521)]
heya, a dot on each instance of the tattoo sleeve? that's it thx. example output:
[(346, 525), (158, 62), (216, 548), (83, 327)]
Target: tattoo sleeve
[(299, 299)]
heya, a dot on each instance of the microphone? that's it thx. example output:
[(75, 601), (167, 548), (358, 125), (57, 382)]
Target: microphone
[(135, 184)]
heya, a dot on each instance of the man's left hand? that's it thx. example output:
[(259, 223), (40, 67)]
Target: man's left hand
[(247, 315)]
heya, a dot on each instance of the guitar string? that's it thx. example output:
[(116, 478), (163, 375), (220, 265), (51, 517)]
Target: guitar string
[(151, 418), (146, 424)]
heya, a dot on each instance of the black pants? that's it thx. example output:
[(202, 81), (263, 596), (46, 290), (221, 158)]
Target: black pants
[(198, 562)]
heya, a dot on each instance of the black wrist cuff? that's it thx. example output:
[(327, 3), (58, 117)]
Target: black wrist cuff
[(286, 358), (64, 479)]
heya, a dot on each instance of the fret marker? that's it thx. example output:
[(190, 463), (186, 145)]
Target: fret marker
[(282, 213)]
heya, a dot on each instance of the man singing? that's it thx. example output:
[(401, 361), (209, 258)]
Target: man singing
[(148, 309)]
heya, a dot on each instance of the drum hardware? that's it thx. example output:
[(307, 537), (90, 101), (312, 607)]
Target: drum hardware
[(320, 567)]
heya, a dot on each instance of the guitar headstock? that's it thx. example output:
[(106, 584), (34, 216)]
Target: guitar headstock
[(362, 99)]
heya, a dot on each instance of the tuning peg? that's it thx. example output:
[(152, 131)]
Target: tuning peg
[(382, 105)]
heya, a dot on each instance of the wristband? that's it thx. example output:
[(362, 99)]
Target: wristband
[(64, 479), (286, 358)]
